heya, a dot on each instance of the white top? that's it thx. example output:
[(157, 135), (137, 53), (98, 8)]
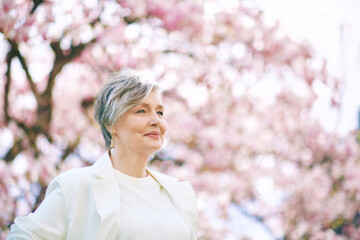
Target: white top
[(147, 211)]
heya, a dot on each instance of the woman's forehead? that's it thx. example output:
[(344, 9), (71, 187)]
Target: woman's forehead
[(153, 98)]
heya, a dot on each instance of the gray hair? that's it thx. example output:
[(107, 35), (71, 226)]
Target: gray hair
[(122, 91)]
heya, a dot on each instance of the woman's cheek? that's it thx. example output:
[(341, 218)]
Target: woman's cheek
[(164, 126)]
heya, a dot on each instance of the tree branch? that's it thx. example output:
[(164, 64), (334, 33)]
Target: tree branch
[(36, 4), (30, 132), (14, 150), (61, 60), (70, 149), (44, 113), (9, 57), (15, 47), (44, 110), (17, 146)]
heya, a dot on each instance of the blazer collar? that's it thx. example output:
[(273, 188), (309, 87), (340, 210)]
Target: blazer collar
[(107, 196), (179, 190), (103, 167)]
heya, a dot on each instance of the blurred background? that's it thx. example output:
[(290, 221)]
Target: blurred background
[(262, 105)]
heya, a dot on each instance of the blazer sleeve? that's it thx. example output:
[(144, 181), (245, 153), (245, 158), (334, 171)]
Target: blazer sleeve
[(48, 222)]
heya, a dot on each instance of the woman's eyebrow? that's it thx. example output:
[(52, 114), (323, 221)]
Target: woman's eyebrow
[(143, 104), (147, 105)]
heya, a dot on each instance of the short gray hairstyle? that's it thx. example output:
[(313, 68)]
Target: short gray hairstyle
[(122, 91)]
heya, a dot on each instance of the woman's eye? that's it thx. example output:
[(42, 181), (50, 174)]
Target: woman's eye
[(141, 111), (160, 113)]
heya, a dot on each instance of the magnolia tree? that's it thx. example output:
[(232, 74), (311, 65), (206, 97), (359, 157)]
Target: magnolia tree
[(238, 99)]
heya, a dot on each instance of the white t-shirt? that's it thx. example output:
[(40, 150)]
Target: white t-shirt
[(147, 211)]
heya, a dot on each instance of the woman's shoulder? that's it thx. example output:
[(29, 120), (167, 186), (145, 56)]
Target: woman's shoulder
[(70, 181), (73, 175), (77, 179), (76, 175)]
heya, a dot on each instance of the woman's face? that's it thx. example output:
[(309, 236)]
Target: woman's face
[(141, 129)]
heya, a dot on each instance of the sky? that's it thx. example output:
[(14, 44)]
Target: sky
[(332, 28)]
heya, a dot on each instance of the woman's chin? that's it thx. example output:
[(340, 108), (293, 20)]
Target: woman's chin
[(150, 150)]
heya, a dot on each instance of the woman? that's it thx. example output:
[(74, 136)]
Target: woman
[(118, 197)]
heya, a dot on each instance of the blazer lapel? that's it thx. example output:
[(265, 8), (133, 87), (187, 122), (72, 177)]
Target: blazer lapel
[(184, 192), (107, 198)]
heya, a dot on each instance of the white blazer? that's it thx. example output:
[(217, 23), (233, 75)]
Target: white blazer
[(85, 203)]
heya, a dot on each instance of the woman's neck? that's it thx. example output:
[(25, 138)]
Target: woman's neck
[(129, 163)]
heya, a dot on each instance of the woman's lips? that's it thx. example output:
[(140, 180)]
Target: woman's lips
[(153, 135)]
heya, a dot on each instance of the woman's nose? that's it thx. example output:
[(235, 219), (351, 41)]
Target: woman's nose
[(155, 119)]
